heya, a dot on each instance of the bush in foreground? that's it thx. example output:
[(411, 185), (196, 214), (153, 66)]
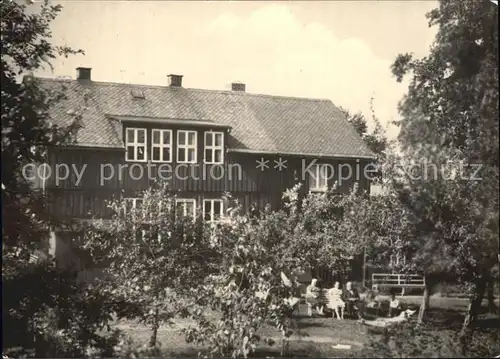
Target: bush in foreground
[(48, 313), (428, 341)]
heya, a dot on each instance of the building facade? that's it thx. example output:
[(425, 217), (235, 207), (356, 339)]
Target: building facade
[(201, 143)]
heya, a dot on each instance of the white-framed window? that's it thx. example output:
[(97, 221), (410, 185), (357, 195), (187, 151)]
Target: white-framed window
[(142, 233), (164, 207), (161, 145), (214, 147), (397, 259), (213, 209), (152, 233), (318, 178), (135, 145), (132, 204), (187, 206), (187, 143)]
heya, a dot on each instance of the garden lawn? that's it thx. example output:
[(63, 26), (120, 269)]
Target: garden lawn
[(313, 337)]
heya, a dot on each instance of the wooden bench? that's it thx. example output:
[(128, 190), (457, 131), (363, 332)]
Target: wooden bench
[(322, 298), (403, 281)]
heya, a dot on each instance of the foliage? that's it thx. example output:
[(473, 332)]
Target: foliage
[(127, 347), (434, 214), (49, 314), (324, 232), (248, 290), (250, 284), (46, 310), (258, 256), (451, 105), (376, 140), (451, 113), (386, 227), (27, 129), (150, 255), (426, 341), (454, 88)]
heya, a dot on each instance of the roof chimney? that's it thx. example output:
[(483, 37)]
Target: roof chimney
[(238, 86), (175, 80), (83, 73)]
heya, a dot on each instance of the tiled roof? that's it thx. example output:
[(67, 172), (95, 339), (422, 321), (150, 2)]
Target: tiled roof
[(260, 123)]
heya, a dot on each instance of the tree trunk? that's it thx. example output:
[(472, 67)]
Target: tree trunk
[(424, 306), (156, 325), (492, 308), (474, 305), (386, 336), (285, 344), (472, 311)]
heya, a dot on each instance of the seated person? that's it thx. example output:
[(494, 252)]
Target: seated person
[(394, 306), (370, 299), (335, 301), (312, 298), (352, 301), (372, 306)]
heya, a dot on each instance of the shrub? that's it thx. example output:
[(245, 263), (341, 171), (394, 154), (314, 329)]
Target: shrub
[(150, 255), (249, 290), (50, 314), (127, 348), (426, 341)]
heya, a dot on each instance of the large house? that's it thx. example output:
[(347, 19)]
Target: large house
[(203, 143)]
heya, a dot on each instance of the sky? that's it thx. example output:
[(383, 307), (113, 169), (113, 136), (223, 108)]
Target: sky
[(337, 50)]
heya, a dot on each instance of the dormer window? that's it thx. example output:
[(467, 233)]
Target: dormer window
[(137, 93), (187, 143), (135, 144), (214, 147)]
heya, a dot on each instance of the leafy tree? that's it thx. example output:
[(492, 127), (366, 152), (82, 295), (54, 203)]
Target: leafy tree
[(429, 340), (28, 131), (50, 314), (150, 256), (249, 289), (324, 231), (358, 120), (400, 224), (375, 140), (27, 127), (258, 255), (451, 112)]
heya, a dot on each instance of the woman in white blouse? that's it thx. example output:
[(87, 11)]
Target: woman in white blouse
[(335, 301)]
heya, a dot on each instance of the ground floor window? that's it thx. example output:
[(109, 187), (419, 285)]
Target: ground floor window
[(186, 206), (212, 209), (132, 204)]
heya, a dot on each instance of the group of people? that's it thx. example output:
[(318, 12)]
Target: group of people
[(345, 301), (337, 300)]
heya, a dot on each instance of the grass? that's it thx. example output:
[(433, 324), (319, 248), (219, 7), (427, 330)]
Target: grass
[(315, 335)]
